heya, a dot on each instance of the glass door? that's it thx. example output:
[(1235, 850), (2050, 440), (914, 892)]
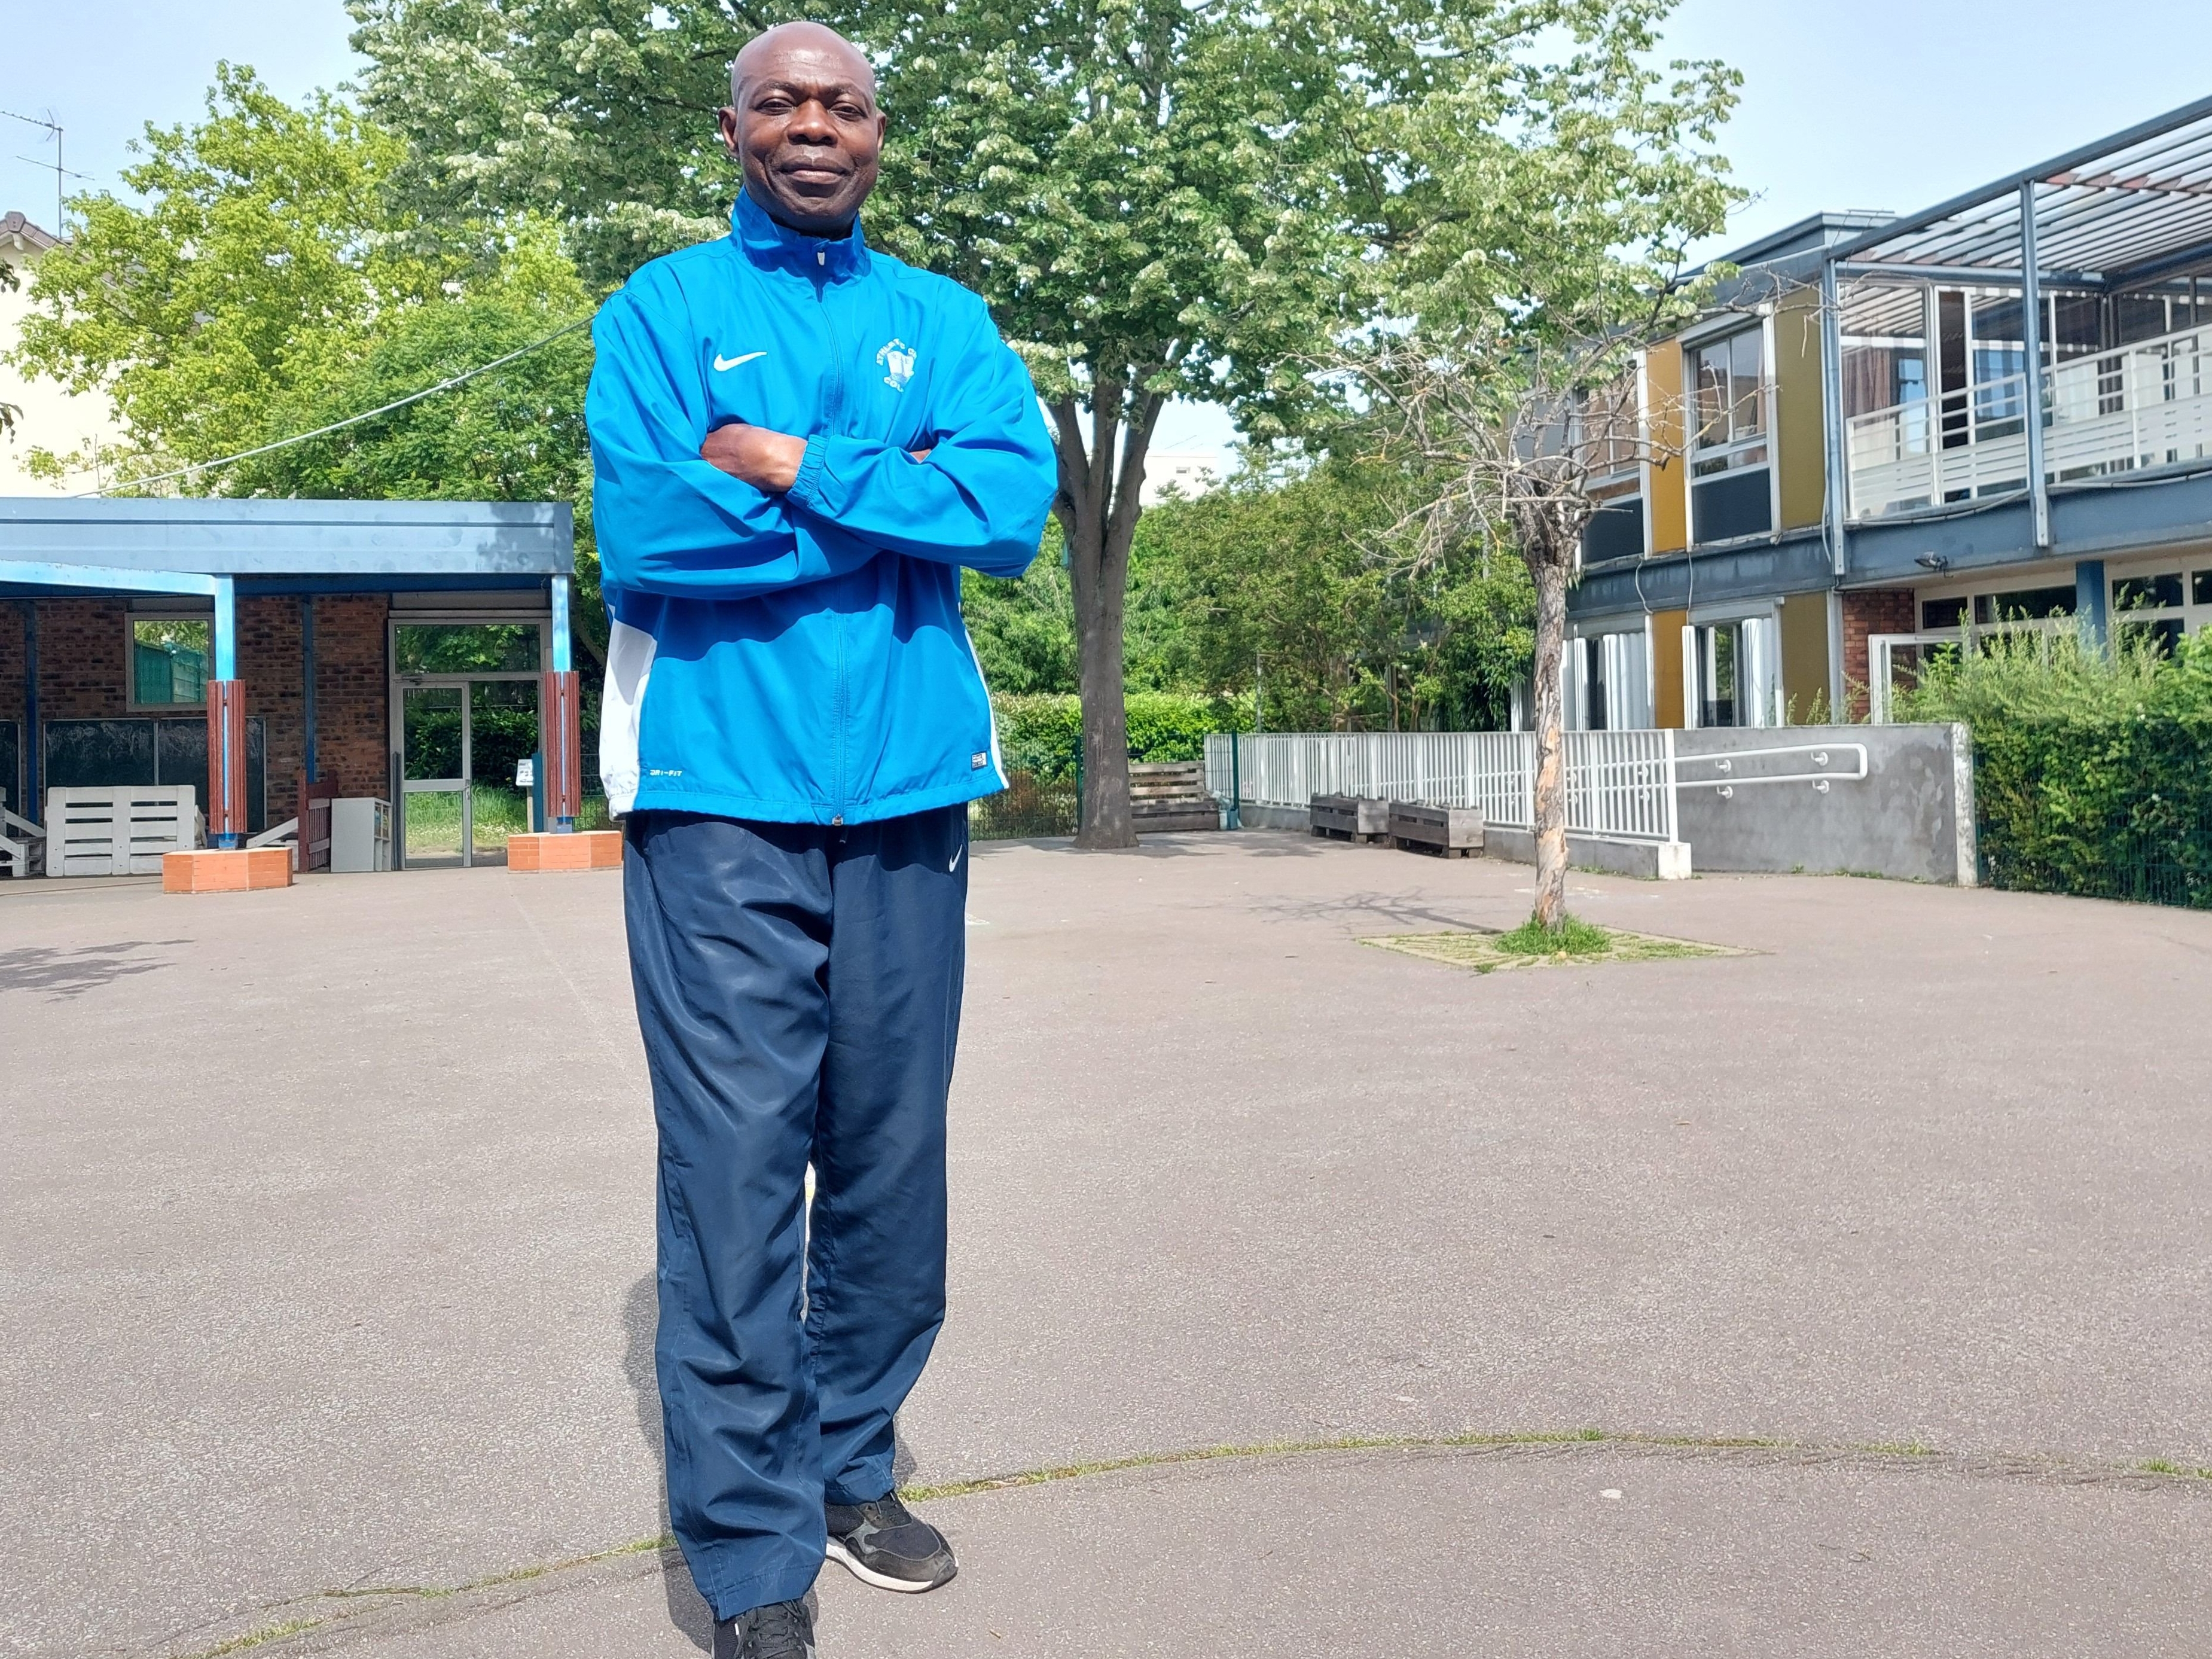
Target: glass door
[(434, 808), (502, 743)]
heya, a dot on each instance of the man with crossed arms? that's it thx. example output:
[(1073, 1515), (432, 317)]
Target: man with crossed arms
[(799, 442)]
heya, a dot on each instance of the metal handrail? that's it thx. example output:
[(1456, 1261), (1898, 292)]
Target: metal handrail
[(1820, 752)]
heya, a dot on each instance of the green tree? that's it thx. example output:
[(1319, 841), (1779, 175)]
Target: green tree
[(1024, 630), (260, 258), (266, 285), (1156, 198), (1288, 587)]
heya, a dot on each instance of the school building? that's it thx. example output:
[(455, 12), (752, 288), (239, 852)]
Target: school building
[(1891, 431)]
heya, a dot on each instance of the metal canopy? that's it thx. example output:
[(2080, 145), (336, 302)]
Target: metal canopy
[(2124, 210), (379, 544)]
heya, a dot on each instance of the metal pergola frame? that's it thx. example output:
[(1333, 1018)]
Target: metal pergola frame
[(2127, 211)]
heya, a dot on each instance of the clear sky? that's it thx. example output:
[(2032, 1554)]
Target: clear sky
[(1879, 103)]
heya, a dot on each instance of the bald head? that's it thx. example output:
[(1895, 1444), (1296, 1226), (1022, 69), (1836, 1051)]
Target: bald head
[(786, 44), (803, 124)]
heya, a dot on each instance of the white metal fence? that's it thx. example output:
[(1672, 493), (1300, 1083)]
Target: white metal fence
[(2145, 405), (1619, 784)]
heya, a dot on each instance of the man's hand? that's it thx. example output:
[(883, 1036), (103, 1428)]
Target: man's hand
[(767, 460)]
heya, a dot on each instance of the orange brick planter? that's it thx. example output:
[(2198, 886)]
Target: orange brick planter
[(588, 849), (239, 872)]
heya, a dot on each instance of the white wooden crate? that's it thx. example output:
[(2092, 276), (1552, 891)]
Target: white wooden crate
[(120, 830)]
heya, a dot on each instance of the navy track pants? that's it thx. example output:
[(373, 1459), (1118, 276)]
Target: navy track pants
[(799, 989)]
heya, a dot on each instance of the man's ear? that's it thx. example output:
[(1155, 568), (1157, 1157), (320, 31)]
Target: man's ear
[(727, 119)]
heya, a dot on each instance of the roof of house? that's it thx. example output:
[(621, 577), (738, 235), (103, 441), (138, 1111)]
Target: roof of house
[(336, 546), (19, 234), (2127, 208)]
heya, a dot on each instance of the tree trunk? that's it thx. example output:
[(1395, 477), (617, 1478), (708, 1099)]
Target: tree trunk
[(1550, 824), (1101, 584), (1097, 507)]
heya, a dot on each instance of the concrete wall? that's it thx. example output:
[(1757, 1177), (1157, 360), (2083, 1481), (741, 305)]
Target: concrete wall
[(1912, 819)]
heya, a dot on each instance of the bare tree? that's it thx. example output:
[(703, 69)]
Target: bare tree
[(1517, 439)]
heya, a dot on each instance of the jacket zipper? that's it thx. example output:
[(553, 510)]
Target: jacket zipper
[(832, 411)]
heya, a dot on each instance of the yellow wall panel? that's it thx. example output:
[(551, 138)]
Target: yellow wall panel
[(1804, 654), (1666, 666), (1800, 448), (1667, 505)]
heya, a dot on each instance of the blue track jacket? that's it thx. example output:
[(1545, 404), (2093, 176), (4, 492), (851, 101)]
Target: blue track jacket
[(801, 657)]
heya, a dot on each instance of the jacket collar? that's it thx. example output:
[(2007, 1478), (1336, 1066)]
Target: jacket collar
[(772, 245)]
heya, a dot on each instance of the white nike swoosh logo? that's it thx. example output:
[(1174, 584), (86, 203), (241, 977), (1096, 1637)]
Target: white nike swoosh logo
[(955, 864), (723, 365)]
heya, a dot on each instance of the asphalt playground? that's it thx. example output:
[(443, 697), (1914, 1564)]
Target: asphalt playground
[(1848, 1295)]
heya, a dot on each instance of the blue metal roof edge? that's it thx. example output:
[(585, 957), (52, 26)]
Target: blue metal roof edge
[(246, 537)]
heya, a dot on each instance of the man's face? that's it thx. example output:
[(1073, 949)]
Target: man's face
[(806, 128)]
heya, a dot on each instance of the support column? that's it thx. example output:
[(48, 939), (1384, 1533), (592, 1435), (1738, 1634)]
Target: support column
[(1838, 452), (2091, 607), (2031, 318), (561, 734), (226, 723)]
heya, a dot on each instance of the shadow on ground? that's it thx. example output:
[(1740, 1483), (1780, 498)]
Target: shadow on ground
[(61, 974)]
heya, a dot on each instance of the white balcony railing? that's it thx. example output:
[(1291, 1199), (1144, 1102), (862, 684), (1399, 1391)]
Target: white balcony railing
[(2147, 405)]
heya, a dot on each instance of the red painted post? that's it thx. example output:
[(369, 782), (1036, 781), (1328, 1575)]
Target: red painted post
[(226, 730), (561, 735)]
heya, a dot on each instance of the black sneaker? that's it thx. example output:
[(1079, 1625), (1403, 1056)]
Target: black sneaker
[(782, 1630), (886, 1545)]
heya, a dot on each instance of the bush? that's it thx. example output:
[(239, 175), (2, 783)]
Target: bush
[(1042, 734), (2093, 768)]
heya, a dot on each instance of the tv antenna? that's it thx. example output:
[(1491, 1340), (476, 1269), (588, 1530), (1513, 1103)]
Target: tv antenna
[(62, 175)]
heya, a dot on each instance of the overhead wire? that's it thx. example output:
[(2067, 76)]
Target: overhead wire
[(446, 385)]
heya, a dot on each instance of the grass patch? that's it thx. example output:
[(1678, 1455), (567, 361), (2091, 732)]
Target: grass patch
[(1530, 946), (1573, 937)]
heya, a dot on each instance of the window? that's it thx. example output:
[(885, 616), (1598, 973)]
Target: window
[(1730, 381), (169, 662), (465, 648), (1942, 613), (1735, 669), (2023, 604), (2159, 593), (2161, 606), (1607, 681), (1730, 488)]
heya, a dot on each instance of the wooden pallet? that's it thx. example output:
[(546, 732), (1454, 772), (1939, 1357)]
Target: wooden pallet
[(119, 830), (1452, 832), (1165, 796), (1353, 818)]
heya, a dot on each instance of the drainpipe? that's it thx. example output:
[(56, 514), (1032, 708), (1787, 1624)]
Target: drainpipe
[(1836, 499), (33, 746), (307, 688)]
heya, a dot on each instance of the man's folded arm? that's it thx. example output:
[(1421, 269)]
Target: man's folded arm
[(667, 521), (979, 495)]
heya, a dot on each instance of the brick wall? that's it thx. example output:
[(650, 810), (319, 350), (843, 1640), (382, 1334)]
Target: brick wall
[(1875, 610), (269, 663), (353, 731), (84, 665)]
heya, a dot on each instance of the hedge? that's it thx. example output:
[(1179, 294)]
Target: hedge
[(1042, 734), (2093, 770)]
